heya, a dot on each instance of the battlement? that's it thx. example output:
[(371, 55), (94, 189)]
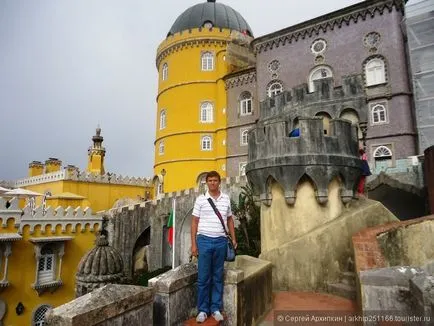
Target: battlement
[(231, 186), (275, 156), (56, 218), (73, 174), (298, 101)]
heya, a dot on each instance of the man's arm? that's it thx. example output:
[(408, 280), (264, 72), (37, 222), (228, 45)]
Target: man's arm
[(231, 227), (194, 224)]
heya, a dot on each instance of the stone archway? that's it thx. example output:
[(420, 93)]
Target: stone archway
[(141, 253)]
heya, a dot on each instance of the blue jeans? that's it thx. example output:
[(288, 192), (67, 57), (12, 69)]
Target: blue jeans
[(212, 253)]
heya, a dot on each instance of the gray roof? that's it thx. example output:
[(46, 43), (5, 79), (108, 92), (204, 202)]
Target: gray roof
[(220, 15)]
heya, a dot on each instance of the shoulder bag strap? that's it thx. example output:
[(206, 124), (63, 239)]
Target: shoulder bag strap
[(218, 214)]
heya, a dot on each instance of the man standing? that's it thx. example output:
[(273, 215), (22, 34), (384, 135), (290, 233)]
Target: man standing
[(209, 243)]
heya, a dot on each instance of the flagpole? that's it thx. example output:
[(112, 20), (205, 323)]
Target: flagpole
[(174, 232)]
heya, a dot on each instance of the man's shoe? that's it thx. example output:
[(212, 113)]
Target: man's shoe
[(201, 317), (218, 316)]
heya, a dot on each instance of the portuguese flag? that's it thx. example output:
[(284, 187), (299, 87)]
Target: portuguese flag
[(170, 231)]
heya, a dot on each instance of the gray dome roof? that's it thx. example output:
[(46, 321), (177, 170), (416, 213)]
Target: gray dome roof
[(218, 14), (101, 264)]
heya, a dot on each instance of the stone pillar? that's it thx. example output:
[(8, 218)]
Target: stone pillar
[(175, 295), (112, 304)]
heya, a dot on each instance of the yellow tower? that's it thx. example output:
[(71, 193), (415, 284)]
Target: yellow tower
[(191, 102), (96, 154)]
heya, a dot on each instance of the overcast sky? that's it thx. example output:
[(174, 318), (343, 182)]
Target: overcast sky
[(68, 65)]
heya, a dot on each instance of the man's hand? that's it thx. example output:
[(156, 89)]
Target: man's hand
[(194, 251), (235, 244)]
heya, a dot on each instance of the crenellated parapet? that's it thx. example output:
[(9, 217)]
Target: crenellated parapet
[(327, 98), (274, 156), (55, 218), (73, 174)]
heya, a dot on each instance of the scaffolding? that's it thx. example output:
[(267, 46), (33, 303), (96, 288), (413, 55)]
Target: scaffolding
[(419, 25)]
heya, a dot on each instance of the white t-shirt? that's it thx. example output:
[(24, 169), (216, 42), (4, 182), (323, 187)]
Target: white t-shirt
[(209, 223)]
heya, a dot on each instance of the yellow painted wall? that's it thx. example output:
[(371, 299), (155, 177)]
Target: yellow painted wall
[(22, 269), (101, 196), (181, 95)]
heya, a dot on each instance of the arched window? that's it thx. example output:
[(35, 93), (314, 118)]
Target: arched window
[(161, 148), (244, 137), (207, 59), (206, 112), (379, 114), (375, 72), (382, 153), (246, 103), (162, 119), (39, 315), (351, 115), (206, 143), (318, 73), (274, 89), (325, 121), (164, 71), (46, 265)]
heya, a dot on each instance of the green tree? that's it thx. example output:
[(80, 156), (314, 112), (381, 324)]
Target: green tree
[(249, 230)]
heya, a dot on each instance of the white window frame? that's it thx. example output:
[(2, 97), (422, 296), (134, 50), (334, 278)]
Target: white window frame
[(206, 143), (207, 61), (161, 148), (46, 275), (242, 168), (163, 119), (165, 71), (244, 137), (38, 313), (206, 112), (246, 104), (312, 76), (382, 148), (274, 89), (376, 111), (375, 72)]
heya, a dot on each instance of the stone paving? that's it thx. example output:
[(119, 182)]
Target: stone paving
[(298, 301)]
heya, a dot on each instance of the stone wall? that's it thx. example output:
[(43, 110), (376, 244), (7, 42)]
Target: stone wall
[(110, 305)]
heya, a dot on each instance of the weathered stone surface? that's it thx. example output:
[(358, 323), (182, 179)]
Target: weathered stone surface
[(247, 292), (100, 266), (409, 245), (110, 305), (422, 291), (404, 290), (307, 256), (175, 294)]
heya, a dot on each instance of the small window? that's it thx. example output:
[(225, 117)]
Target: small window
[(242, 168), (162, 119), (206, 112), (161, 148), (382, 153), (318, 73), (206, 143), (39, 315), (246, 104), (244, 137), (375, 72), (46, 265), (274, 89), (207, 61), (379, 114), (164, 71)]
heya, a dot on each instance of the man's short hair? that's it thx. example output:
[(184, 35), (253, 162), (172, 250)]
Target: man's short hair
[(212, 174)]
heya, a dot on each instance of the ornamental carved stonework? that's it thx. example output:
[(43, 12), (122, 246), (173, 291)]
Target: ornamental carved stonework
[(371, 41)]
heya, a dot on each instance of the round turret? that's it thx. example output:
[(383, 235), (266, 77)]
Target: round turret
[(100, 266), (210, 14)]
